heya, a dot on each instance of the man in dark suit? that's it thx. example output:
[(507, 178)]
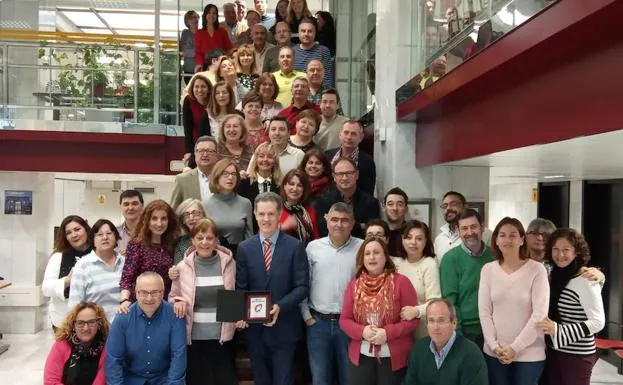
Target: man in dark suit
[(276, 262), (365, 206), (195, 183), (350, 136)]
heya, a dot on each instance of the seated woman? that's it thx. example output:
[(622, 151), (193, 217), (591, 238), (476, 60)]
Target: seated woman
[(307, 124), (206, 269), (232, 141), (266, 85), (252, 109), (193, 109), (380, 339), (71, 244), (245, 66), (222, 102), (264, 174), (78, 354), (95, 277), (317, 168), (232, 213), (298, 218)]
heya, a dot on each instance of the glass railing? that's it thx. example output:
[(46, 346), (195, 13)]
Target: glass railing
[(464, 32), (82, 86)]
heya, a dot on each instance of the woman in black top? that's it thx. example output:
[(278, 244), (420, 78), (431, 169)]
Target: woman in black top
[(326, 30)]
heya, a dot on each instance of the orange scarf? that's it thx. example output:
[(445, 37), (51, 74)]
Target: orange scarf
[(374, 299)]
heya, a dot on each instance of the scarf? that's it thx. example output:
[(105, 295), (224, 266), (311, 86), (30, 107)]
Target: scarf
[(68, 261), (304, 223), (319, 186), (374, 301), (81, 367), (354, 156)]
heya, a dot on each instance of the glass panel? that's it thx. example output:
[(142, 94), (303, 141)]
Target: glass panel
[(169, 85), (461, 33)]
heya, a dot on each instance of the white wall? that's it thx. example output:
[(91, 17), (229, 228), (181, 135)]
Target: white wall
[(511, 200)]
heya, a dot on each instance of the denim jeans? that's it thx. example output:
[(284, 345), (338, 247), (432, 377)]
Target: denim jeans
[(515, 373), (327, 345)]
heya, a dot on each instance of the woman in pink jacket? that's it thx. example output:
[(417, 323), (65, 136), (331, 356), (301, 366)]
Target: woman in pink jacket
[(205, 269), (77, 357), (380, 341)]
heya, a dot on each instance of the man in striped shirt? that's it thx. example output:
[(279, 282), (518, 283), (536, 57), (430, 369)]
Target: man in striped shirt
[(309, 49)]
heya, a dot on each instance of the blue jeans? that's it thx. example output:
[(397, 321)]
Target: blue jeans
[(516, 373), (326, 345)]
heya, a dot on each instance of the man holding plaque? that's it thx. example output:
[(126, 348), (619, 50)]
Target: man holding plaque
[(272, 263), (331, 267)]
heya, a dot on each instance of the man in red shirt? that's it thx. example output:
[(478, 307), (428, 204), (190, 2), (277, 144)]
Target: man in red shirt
[(300, 93)]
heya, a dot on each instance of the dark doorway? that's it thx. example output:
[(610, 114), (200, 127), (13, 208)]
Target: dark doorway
[(554, 203)]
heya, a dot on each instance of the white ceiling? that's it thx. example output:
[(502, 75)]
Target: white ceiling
[(589, 157)]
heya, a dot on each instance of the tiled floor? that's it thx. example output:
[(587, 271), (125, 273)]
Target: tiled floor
[(23, 363)]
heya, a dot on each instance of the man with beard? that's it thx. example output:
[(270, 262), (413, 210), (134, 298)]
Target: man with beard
[(452, 204), (395, 207), (460, 274)]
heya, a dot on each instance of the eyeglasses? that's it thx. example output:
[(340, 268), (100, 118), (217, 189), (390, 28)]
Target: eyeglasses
[(375, 235), (343, 174), (194, 213), (145, 293), (539, 234), (207, 152), (227, 173), (452, 204), (90, 323), (437, 321)]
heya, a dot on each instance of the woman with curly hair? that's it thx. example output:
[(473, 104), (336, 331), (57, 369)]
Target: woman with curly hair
[(151, 249), (77, 357), (576, 311)]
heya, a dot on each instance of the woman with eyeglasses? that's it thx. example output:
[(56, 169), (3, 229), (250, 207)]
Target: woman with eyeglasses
[(512, 297), (96, 276), (205, 270), (150, 249), (232, 214), (78, 354), (576, 312), (380, 339), (71, 244), (189, 212)]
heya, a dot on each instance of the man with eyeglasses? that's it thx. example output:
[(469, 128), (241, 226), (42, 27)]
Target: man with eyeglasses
[(460, 274), (147, 345), (365, 206), (452, 204), (445, 356), (195, 183), (350, 137), (331, 267)]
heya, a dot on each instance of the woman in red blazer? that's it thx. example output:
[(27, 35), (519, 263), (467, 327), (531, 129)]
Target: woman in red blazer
[(380, 341), (78, 355), (210, 36), (298, 218)]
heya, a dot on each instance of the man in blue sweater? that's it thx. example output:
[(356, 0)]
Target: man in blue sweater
[(147, 346), (309, 50)]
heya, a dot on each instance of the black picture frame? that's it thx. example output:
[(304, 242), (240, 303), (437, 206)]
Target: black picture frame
[(420, 209)]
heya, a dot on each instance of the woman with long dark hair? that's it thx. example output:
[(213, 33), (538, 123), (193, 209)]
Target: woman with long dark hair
[(317, 168), (281, 14), (71, 244), (576, 311), (210, 36), (151, 249), (193, 109), (326, 30), (298, 217)]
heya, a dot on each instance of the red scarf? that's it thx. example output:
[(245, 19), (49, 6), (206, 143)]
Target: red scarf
[(319, 186)]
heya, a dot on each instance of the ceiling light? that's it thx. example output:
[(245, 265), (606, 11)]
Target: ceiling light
[(553, 176)]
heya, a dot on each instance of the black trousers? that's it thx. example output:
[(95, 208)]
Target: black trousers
[(372, 372), (210, 363)]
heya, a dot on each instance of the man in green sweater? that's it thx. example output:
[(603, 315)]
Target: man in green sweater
[(460, 274), (445, 357)]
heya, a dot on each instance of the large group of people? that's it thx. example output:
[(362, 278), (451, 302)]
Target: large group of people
[(283, 200)]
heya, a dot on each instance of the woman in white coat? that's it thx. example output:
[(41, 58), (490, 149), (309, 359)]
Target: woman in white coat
[(71, 244)]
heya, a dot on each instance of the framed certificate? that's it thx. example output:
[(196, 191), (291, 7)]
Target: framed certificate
[(249, 306), (258, 307)]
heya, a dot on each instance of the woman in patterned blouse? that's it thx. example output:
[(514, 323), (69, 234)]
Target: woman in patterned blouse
[(151, 249), (252, 109), (245, 66)]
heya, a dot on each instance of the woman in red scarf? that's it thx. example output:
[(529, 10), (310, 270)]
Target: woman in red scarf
[(298, 218), (380, 341), (318, 170)]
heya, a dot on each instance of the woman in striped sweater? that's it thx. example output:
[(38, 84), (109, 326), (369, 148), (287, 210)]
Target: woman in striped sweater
[(576, 312)]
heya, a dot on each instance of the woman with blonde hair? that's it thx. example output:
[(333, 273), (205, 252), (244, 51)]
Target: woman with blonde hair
[(222, 103), (150, 249), (263, 175), (246, 68), (226, 71), (78, 354), (232, 141)]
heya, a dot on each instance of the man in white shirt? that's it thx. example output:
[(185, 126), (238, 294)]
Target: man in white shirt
[(195, 183), (452, 204), (331, 267), (278, 134)]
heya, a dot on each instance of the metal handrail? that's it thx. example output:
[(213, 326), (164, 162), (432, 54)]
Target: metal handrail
[(8, 34)]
